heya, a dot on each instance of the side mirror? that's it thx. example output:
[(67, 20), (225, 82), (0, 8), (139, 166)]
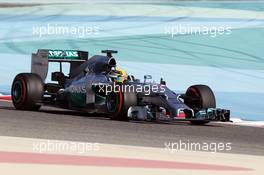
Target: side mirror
[(147, 77), (162, 82), (86, 70)]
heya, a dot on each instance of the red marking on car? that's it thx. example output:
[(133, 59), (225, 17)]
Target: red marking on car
[(53, 159), (168, 113), (181, 115)]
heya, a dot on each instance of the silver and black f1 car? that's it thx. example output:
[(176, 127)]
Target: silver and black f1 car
[(96, 85)]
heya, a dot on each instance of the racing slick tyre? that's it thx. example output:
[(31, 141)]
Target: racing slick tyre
[(27, 91), (118, 103), (200, 97)]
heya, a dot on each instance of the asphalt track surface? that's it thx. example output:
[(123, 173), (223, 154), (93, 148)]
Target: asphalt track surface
[(52, 123)]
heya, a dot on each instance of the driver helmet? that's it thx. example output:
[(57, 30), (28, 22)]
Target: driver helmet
[(121, 75)]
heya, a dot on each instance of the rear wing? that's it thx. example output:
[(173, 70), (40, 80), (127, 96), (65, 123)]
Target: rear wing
[(40, 60), (67, 56)]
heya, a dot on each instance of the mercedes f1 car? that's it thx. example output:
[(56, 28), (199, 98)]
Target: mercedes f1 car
[(96, 85)]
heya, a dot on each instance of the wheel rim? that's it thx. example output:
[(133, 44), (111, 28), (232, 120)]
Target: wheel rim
[(17, 92), (196, 102), (112, 101)]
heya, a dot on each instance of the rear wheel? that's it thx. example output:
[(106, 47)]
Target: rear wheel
[(118, 103), (27, 91), (200, 97)]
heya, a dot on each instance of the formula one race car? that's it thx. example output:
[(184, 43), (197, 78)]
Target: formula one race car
[(97, 85)]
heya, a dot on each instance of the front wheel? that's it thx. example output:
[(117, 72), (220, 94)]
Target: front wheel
[(118, 103), (27, 91), (199, 97)]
